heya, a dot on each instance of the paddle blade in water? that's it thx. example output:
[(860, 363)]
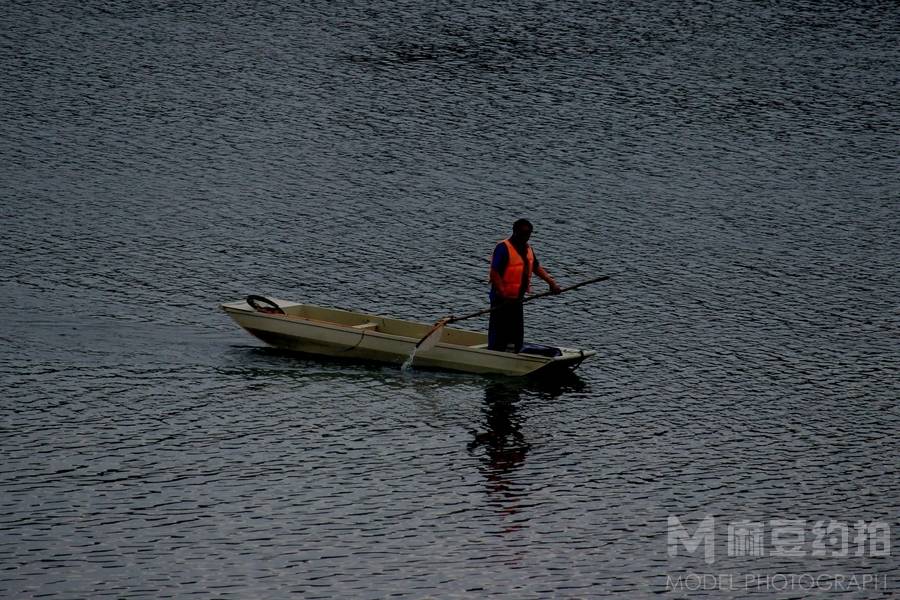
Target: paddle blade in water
[(431, 340)]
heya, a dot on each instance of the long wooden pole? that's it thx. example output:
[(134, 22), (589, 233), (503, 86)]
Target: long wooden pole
[(434, 334), (524, 300)]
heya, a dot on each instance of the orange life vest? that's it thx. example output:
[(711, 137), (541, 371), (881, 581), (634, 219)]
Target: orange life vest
[(511, 280)]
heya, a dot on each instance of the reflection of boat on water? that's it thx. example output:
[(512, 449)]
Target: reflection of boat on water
[(331, 332)]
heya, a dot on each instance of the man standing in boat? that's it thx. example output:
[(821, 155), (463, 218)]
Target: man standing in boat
[(512, 264)]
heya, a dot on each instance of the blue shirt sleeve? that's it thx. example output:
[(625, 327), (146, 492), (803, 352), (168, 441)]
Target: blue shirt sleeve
[(500, 258)]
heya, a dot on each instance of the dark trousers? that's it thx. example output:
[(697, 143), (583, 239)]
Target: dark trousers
[(506, 326)]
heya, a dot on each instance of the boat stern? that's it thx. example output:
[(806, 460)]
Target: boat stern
[(569, 360)]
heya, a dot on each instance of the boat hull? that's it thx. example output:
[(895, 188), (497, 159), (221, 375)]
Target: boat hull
[(321, 331)]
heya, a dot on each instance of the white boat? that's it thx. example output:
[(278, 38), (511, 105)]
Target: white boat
[(332, 332)]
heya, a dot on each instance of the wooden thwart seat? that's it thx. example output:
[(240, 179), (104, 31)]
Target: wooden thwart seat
[(370, 325)]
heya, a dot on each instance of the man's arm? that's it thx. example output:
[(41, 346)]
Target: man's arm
[(498, 266), (496, 279), (543, 274)]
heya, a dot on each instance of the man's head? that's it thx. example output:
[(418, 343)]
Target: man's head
[(522, 230)]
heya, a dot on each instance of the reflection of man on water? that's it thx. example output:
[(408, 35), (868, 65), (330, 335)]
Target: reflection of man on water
[(503, 441), (504, 447)]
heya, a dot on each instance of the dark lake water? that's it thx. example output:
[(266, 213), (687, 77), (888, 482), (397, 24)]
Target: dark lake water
[(736, 163)]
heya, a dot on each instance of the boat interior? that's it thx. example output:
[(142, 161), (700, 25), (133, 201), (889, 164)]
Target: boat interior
[(399, 327)]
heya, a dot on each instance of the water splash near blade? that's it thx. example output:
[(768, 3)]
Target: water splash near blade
[(407, 364)]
